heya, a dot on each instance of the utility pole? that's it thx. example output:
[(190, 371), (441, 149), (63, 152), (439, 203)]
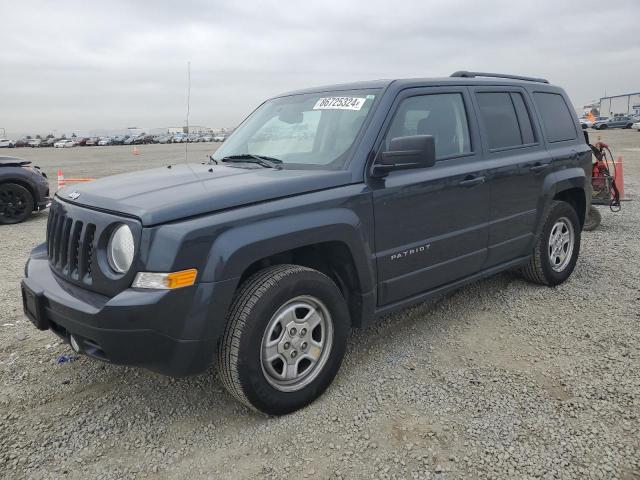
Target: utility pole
[(4, 132)]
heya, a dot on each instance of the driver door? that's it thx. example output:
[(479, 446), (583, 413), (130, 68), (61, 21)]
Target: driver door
[(431, 224)]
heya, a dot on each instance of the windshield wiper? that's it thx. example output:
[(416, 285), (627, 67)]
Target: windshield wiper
[(267, 162)]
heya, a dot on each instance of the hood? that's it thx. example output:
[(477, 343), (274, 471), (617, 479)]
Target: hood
[(165, 194), (13, 162)]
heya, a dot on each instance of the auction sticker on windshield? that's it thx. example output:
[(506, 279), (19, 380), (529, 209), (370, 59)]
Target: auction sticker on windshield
[(339, 103)]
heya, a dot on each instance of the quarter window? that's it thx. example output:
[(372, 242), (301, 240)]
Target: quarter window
[(441, 115), (556, 119)]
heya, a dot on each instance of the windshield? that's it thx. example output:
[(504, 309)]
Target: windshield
[(315, 130)]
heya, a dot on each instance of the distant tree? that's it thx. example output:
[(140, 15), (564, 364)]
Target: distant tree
[(38, 137), (73, 135), (28, 137), (64, 136), (50, 136)]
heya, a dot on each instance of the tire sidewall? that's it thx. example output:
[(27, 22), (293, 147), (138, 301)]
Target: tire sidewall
[(559, 210), (28, 210), (255, 386)]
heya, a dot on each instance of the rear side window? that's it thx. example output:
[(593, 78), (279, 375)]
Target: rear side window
[(506, 119), (556, 117)]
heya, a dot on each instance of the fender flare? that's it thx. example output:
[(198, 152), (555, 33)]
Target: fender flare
[(235, 249), (558, 182)]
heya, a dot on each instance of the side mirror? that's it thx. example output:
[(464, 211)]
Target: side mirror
[(415, 151)]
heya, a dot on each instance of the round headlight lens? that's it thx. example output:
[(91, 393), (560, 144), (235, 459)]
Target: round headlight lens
[(120, 249)]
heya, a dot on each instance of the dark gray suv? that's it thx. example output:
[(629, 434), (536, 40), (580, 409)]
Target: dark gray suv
[(326, 209)]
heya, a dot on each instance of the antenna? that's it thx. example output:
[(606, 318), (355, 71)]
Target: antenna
[(186, 143)]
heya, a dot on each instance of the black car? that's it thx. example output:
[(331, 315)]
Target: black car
[(366, 198), (23, 189)]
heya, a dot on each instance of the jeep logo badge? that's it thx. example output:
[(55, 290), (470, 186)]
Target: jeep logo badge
[(73, 195)]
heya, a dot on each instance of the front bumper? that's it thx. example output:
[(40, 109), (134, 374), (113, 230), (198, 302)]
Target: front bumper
[(174, 332)]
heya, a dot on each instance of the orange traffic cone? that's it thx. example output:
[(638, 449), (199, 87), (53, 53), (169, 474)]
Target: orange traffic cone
[(61, 183), (136, 151), (618, 175)]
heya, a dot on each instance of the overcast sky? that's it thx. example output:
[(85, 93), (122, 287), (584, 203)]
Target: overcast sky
[(86, 65)]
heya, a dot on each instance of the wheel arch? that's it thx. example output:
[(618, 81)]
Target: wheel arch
[(577, 199), (331, 241)]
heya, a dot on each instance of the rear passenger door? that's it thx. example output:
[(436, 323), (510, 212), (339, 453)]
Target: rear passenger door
[(431, 223), (517, 164)]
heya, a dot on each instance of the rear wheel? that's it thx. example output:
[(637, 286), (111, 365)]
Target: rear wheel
[(557, 247), (285, 338), (16, 203)]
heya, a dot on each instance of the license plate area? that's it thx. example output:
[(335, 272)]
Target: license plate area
[(33, 306)]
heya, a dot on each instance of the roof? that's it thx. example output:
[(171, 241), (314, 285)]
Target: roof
[(414, 82)]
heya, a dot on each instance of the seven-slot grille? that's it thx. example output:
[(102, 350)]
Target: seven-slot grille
[(70, 246)]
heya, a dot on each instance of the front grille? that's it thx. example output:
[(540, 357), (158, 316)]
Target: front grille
[(70, 246)]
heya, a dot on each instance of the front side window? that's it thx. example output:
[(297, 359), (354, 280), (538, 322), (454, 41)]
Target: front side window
[(441, 115), (315, 131)]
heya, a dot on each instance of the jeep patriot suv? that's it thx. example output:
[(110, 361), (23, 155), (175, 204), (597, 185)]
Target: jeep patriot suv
[(326, 209)]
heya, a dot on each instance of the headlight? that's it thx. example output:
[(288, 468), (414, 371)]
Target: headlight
[(120, 249)]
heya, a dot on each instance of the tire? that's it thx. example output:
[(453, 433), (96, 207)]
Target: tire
[(16, 203), (593, 219), (258, 327), (602, 127), (540, 268)]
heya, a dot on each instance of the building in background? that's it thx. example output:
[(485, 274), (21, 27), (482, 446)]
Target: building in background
[(627, 104)]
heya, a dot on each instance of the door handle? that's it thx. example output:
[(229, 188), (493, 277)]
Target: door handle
[(539, 167), (471, 181)]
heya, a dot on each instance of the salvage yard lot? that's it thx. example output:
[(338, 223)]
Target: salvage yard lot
[(500, 379)]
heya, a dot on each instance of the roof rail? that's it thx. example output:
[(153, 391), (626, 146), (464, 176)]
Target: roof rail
[(465, 74)]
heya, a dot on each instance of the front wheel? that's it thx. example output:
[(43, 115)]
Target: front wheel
[(557, 247), (16, 203), (285, 338)]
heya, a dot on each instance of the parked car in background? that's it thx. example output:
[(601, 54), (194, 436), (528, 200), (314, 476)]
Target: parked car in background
[(164, 139), (636, 126), (613, 122), (143, 139), (207, 138), (585, 123), (219, 138), (23, 189), (49, 142), (79, 141), (119, 139), (64, 144), (179, 138), (34, 142), (22, 142), (6, 143), (105, 141), (92, 142)]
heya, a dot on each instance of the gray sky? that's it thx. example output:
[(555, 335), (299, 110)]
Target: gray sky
[(87, 65)]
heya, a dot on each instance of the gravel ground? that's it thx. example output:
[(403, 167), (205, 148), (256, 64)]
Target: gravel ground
[(501, 379)]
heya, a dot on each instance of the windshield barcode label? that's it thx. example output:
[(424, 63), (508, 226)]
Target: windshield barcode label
[(339, 103)]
